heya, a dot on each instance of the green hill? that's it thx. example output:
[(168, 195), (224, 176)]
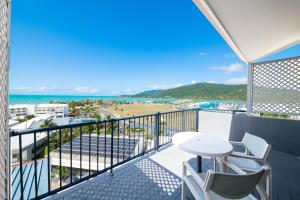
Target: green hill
[(149, 92), (204, 91)]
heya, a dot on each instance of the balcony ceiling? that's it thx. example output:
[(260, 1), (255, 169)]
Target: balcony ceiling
[(254, 28)]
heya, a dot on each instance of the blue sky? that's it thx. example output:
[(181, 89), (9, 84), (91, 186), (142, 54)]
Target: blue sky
[(102, 47)]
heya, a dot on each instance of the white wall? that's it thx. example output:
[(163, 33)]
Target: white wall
[(215, 123)]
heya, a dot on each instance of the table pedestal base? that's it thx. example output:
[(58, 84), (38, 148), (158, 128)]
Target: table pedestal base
[(199, 164)]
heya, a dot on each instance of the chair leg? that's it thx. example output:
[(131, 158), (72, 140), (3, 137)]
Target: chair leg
[(183, 191), (215, 164), (183, 185), (269, 185)]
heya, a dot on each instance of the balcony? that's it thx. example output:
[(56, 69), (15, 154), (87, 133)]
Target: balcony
[(133, 158)]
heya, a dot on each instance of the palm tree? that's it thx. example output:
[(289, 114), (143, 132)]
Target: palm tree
[(48, 123)]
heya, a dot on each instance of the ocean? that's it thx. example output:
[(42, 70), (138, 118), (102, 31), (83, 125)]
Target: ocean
[(38, 99)]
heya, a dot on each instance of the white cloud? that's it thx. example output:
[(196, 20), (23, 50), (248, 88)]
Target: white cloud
[(203, 53), (234, 81), (232, 68), (33, 89), (211, 81), (81, 89), (194, 82)]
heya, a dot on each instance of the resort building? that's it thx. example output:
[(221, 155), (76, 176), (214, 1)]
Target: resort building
[(28, 143), (20, 110), (27, 140), (12, 122), (29, 170), (58, 110), (29, 124)]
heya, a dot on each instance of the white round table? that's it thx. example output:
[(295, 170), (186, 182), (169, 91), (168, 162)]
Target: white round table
[(202, 144)]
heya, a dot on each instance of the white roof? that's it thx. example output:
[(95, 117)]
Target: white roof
[(255, 28), (51, 105), (22, 106), (27, 140), (27, 124), (12, 122)]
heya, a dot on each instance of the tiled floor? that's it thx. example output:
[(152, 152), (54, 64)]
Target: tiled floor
[(157, 176)]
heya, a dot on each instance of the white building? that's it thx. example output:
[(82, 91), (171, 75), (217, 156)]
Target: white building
[(58, 110), (20, 110), (27, 146), (12, 122), (29, 124)]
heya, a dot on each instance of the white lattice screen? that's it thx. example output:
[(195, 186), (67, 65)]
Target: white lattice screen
[(4, 67), (275, 86)]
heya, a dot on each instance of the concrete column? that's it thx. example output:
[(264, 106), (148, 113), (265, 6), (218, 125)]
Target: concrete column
[(249, 89), (5, 7)]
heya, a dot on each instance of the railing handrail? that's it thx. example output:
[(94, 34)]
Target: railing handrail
[(80, 124)]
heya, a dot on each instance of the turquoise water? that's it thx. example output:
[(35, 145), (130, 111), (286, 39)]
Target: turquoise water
[(214, 104), (36, 99)]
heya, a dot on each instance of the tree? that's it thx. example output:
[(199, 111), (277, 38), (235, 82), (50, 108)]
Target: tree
[(86, 101), (45, 152), (98, 102), (64, 173), (96, 116), (26, 118), (48, 123), (108, 116)]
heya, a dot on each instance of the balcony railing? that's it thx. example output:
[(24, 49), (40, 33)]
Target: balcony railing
[(49, 160)]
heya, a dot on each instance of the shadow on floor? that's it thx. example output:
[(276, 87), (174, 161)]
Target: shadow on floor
[(145, 179)]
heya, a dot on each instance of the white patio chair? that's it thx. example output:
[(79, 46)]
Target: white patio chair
[(215, 185), (255, 152), (255, 149)]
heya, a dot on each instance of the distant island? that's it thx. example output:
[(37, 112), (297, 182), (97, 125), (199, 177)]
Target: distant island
[(200, 91)]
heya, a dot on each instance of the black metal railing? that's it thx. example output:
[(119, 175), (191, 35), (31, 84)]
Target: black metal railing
[(76, 152)]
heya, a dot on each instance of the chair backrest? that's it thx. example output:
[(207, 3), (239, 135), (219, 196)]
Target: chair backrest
[(235, 186), (256, 145)]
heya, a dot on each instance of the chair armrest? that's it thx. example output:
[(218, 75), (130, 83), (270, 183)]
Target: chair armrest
[(236, 143), (240, 144), (245, 156), (194, 174), (233, 167)]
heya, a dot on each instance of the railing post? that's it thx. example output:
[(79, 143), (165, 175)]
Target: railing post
[(157, 129), (197, 119), (183, 120), (111, 147), (250, 89)]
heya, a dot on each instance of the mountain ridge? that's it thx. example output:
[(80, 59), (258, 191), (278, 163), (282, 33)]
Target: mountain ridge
[(200, 91)]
